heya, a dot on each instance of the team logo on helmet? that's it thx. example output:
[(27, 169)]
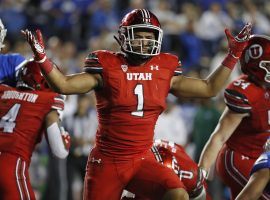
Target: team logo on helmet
[(255, 51)]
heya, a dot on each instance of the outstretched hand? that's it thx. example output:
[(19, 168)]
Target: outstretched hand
[(239, 42), (36, 44)]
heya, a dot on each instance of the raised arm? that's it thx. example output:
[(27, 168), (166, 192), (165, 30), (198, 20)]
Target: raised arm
[(71, 84), (209, 87), (227, 124)]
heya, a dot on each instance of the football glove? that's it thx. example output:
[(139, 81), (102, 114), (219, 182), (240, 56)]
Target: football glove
[(239, 42), (36, 44)]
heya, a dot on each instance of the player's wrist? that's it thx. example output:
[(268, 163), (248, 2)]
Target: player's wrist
[(230, 61), (45, 65)]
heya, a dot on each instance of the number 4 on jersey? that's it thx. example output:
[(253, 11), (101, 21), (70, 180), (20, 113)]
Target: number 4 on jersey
[(8, 120)]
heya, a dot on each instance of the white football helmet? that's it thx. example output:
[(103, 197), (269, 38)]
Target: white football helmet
[(3, 33)]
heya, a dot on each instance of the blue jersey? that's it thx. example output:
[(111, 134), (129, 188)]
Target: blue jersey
[(9, 65), (261, 163)]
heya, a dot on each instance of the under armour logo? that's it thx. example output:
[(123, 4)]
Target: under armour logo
[(96, 160), (156, 67), (124, 68), (244, 157)]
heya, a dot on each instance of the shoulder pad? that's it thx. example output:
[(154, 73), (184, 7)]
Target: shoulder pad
[(174, 62), (237, 101)]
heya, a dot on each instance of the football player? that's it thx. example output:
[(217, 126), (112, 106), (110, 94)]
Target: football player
[(131, 88), (259, 182), (25, 113), (10, 63), (244, 126), (174, 157)]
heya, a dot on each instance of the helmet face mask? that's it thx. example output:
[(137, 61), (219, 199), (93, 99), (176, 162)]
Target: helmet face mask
[(255, 60), (140, 33), (3, 33), (131, 44), (265, 65)]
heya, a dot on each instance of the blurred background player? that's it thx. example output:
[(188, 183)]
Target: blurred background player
[(259, 181), (174, 157), (131, 88), (10, 63), (26, 112), (244, 125), (82, 126)]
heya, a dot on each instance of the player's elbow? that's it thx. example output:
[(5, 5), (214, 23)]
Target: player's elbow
[(217, 140)]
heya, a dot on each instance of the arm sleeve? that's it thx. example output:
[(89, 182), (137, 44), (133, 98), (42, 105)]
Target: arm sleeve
[(56, 142)]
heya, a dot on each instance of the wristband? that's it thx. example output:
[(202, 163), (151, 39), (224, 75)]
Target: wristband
[(45, 65), (229, 61)]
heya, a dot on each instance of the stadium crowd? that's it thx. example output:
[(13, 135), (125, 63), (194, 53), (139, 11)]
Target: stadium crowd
[(194, 30)]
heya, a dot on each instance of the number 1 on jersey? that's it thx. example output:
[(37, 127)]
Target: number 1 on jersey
[(139, 92)]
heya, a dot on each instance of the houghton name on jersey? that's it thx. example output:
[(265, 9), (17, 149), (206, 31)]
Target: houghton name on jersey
[(21, 118)]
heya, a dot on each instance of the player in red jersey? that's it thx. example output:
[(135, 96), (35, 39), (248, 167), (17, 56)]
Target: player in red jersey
[(131, 88), (174, 157), (259, 181), (25, 112), (244, 126)]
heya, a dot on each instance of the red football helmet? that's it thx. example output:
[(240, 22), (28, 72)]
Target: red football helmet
[(140, 20), (255, 59), (174, 156), (31, 77)]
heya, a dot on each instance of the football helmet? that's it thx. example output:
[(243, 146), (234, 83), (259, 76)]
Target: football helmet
[(30, 77), (140, 20), (3, 33), (255, 59), (174, 156)]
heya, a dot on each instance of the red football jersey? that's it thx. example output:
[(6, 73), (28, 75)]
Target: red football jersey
[(130, 100), (243, 96), (21, 118)]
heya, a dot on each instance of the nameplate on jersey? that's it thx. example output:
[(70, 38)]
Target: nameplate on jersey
[(139, 76), (24, 96)]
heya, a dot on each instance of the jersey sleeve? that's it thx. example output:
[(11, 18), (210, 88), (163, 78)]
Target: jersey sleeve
[(58, 103), (178, 71), (93, 64), (263, 162), (236, 101), (10, 65)]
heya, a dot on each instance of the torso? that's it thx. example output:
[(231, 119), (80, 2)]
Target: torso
[(21, 115), (130, 102), (253, 131)]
